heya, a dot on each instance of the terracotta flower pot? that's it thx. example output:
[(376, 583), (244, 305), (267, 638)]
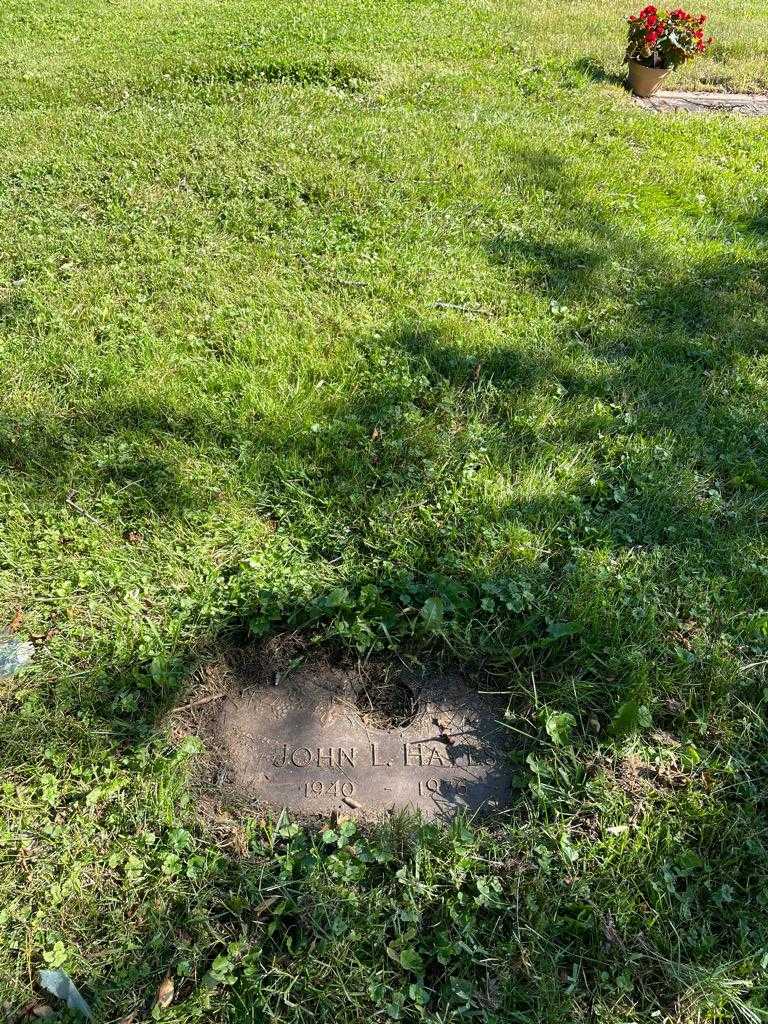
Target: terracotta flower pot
[(644, 81)]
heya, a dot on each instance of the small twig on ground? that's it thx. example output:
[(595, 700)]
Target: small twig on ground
[(198, 703), (754, 664), (73, 504)]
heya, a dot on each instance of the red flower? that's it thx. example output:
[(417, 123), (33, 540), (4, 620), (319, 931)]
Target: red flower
[(671, 36)]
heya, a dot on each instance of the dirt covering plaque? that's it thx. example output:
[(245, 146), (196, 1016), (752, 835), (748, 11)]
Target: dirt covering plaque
[(320, 741)]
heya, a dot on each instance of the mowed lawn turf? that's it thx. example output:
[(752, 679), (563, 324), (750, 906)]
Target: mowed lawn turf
[(397, 326)]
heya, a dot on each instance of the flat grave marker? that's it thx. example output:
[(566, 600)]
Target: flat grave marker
[(666, 101), (308, 745)]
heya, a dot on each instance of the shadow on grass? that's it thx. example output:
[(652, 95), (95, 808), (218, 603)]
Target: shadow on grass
[(673, 460), (120, 454), (597, 73)]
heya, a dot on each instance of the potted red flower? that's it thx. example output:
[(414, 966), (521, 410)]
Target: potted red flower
[(660, 41)]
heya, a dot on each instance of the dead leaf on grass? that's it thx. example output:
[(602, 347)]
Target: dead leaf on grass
[(41, 1011), (612, 937), (264, 906), (165, 992)]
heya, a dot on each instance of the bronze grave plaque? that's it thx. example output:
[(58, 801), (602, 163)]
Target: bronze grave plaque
[(308, 746)]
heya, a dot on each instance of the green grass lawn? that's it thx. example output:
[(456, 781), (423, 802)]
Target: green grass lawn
[(310, 314)]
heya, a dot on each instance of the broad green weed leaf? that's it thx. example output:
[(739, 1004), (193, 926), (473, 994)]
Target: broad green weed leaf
[(432, 612), (559, 726)]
